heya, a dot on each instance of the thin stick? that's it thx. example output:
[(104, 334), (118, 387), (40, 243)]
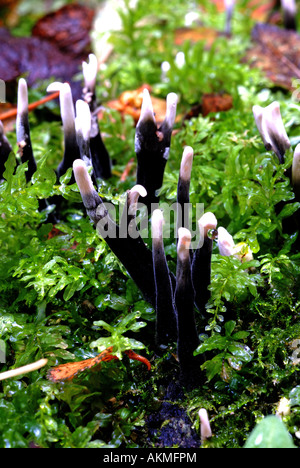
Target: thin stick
[(24, 369), (13, 112)]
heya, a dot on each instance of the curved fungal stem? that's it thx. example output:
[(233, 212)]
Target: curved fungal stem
[(131, 251)]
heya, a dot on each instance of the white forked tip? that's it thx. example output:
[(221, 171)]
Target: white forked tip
[(205, 429), (186, 163), (225, 242), (83, 120), (82, 177), (271, 128), (184, 242), (90, 72), (172, 100), (207, 222), (22, 104), (157, 221), (147, 112)]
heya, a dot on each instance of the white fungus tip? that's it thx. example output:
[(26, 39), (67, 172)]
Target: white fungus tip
[(55, 86), (83, 119), (139, 190), (90, 70), (184, 243), (207, 222), (157, 221), (296, 168), (67, 107), (205, 429), (172, 100), (133, 196), (225, 242), (186, 163), (147, 112), (82, 177), (22, 104), (289, 6)]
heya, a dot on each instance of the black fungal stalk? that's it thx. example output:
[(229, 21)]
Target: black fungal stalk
[(23, 130), (166, 327), (99, 154), (132, 252), (152, 146), (201, 263), (187, 338)]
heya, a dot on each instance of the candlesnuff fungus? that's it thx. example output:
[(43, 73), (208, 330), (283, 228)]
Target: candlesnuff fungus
[(71, 149), (131, 251), (99, 154), (89, 70), (23, 129), (128, 225), (289, 9), (296, 172), (152, 146), (183, 188), (205, 430), (227, 246), (229, 7), (166, 325), (5, 149), (201, 262), (187, 336), (225, 242), (270, 126)]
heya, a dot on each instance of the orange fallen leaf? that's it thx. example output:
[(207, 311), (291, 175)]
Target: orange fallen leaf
[(68, 371)]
